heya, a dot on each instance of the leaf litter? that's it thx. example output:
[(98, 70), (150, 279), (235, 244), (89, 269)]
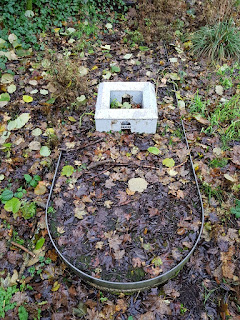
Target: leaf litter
[(128, 216)]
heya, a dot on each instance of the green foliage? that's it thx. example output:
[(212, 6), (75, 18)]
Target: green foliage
[(225, 119), (218, 42), (28, 210), (13, 205), (6, 295), (67, 171), (154, 150), (32, 181), (197, 105), (236, 210), (22, 313), (6, 195), (47, 14), (218, 163), (212, 192), (39, 243), (106, 5)]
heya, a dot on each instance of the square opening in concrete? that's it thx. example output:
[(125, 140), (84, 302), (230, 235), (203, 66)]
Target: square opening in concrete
[(126, 105), (126, 99)]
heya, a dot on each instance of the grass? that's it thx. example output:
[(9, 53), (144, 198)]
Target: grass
[(225, 120), (218, 42), (197, 105)]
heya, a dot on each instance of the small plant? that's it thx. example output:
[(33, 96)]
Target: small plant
[(102, 298), (68, 77), (6, 295), (28, 210), (218, 42), (212, 192), (197, 105), (22, 313), (226, 82), (32, 181), (115, 104), (236, 210), (183, 309), (218, 163), (226, 120)]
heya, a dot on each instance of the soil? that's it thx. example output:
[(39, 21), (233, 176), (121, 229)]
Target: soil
[(110, 232)]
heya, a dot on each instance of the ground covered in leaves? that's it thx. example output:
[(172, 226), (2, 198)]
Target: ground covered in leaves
[(46, 106)]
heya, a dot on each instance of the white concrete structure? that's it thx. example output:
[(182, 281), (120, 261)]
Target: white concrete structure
[(142, 120)]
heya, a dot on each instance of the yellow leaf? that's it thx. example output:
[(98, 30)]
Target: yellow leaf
[(56, 29), (168, 162), (95, 67), (56, 286), (172, 172), (40, 188), (72, 119), (27, 98)]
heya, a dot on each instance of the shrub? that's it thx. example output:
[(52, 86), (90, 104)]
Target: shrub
[(218, 42), (65, 75)]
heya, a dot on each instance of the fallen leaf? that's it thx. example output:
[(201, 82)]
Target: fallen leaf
[(229, 178), (219, 90), (201, 119), (34, 145), (108, 204), (168, 162), (79, 213), (40, 188), (67, 171), (6, 78), (56, 286), (137, 184), (153, 150), (19, 122), (27, 98), (45, 151)]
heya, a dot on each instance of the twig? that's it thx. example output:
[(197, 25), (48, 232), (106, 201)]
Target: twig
[(179, 165), (23, 248), (101, 172), (99, 163)]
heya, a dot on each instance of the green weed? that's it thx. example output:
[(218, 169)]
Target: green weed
[(32, 181), (236, 210), (226, 82), (225, 120), (218, 42), (218, 163), (28, 210), (22, 313), (6, 295), (197, 105), (212, 192)]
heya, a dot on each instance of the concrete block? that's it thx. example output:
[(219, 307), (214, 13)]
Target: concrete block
[(143, 120)]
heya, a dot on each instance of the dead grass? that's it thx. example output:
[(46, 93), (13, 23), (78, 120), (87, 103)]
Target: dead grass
[(158, 17), (217, 11), (66, 77)]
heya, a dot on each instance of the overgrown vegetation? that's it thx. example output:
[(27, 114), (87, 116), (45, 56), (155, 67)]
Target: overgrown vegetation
[(218, 42), (68, 77)]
